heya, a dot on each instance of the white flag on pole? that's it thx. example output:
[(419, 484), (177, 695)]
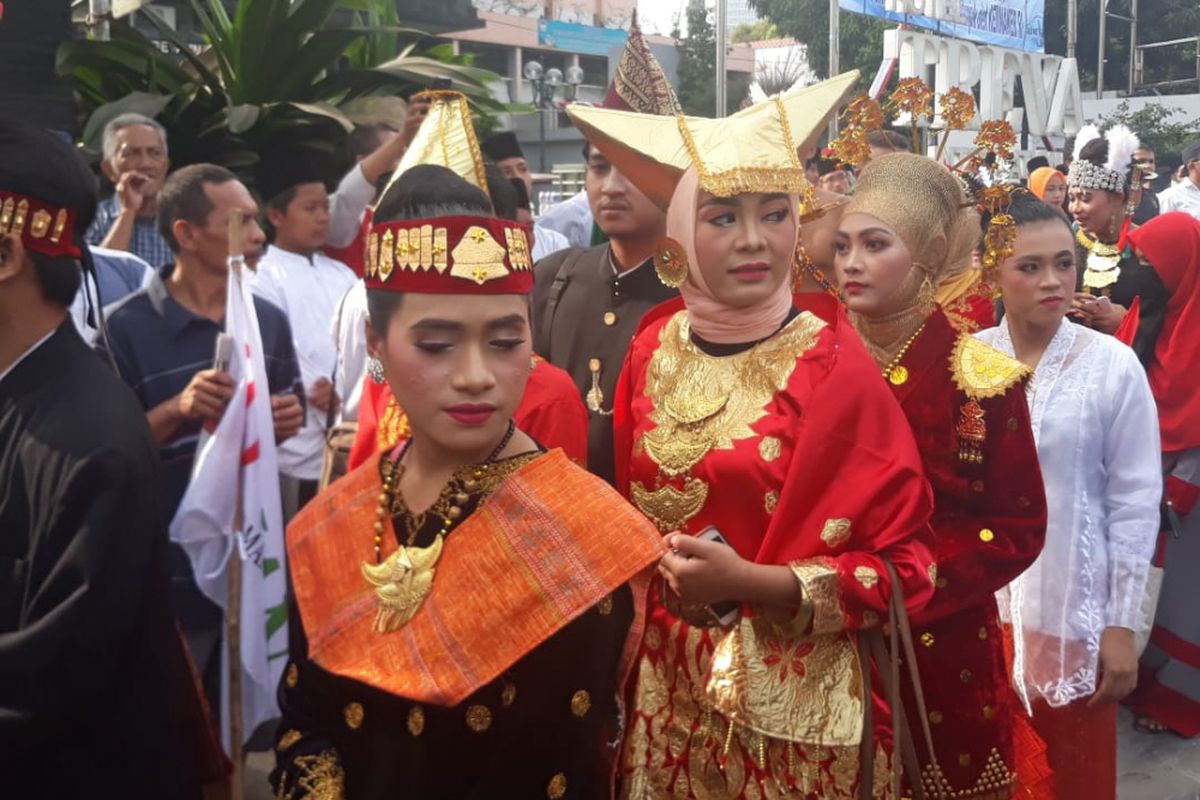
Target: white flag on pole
[(239, 459)]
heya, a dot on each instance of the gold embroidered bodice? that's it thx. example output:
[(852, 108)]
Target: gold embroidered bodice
[(704, 403)]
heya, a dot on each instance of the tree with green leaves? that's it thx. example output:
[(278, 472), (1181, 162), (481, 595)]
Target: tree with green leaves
[(760, 31), (274, 72), (698, 67), (1156, 127)]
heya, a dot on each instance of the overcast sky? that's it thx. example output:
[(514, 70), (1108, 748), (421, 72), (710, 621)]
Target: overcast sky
[(657, 16)]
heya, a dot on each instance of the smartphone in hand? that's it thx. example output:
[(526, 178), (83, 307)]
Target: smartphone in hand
[(726, 611)]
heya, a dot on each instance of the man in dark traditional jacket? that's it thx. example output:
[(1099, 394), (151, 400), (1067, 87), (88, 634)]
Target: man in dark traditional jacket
[(87, 645), (587, 303)]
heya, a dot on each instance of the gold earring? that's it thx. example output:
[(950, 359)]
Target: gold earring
[(926, 297), (670, 263)]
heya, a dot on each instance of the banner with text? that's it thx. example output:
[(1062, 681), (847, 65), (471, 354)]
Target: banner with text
[(1015, 24)]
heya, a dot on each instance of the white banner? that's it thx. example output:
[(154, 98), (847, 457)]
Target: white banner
[(238, 461)]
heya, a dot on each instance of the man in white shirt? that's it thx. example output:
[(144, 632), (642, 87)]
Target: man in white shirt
[(572, 218), (308, 285), (1185, 195)]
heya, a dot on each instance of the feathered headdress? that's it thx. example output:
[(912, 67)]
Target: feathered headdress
[(1113, 172)]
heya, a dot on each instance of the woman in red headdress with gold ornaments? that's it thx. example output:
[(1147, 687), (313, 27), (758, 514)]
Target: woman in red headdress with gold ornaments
[(759, 439), (462, 603), (966, 406)]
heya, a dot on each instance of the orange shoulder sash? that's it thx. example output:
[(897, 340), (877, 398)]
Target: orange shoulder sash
[(549, 543)]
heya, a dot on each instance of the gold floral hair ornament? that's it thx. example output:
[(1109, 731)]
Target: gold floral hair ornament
[(996, 136), (1001, 235), (911, 96), (859, 118), (956, 109)]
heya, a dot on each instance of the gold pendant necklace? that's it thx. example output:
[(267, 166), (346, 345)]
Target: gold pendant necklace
[(1102, 267), (405, 578), (896, 374)]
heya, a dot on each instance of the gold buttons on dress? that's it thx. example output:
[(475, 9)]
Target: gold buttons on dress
[(416, 720), (988, 712), (1013, 424), (653, 637), (770, 500), (898, 376), (870, 619), (983, 634), (605, 606), (293, 676), (935, 717), (986, 535), (1023, 502), (557, 788), (581, 703), (965, 676), (964, 759), (976, 486), (941, 582), (354, 715), (927, 639), (508, 695), (479, 718), (610, 318)]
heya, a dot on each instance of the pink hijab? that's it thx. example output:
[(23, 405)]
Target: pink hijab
[(710, 319)]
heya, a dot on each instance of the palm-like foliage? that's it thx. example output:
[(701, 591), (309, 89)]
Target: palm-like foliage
[(272, 74)]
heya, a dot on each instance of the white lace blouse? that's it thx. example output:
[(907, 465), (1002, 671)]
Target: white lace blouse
[(1096, 429)]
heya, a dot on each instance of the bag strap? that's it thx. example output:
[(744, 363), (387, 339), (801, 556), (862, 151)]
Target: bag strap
[(562, 277), (887, 658)]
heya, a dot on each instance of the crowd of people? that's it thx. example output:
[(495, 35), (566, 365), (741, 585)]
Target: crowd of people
[(748, 472)]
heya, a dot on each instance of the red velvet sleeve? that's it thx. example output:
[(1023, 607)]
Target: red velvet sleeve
[(993, 530), (552, 413), (855, 493)]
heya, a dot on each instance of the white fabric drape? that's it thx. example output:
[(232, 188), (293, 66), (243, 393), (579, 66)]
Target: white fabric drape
[(1096, 429)]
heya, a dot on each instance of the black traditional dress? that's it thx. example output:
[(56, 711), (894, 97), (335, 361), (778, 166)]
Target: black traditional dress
[(1115, 272), (547, 727), (87, 644)]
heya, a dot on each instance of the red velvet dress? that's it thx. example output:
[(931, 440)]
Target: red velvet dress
[(966, 404), (795, 451), (550, 411)]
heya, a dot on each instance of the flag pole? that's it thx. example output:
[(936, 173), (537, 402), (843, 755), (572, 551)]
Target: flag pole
[(233, 607)]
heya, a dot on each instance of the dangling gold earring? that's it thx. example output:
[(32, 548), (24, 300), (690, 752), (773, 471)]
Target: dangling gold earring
[(670, 263), (926, 297)]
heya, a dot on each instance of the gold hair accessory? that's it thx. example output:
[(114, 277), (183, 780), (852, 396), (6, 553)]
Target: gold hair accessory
[(860, 117), (911, 96), (670, 263), (957, 109), (803, 265), (754, 150)]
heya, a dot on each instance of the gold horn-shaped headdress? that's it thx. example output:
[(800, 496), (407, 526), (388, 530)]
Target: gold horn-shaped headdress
[(754, 150), (446, 138)]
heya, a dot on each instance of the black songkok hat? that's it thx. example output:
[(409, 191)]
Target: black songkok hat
[(501, 146), (283, 169), (828, 166), (47, 193)]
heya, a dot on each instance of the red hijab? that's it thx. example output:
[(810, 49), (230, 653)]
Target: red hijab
[(1171, 243)]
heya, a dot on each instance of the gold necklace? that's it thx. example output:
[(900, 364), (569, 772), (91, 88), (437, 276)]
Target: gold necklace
[(405, 578), (896, 374), (1102, 268)]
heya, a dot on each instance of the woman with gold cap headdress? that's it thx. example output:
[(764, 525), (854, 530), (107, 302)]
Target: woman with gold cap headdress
[(759, 440), (966, 405), (460, 603)]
